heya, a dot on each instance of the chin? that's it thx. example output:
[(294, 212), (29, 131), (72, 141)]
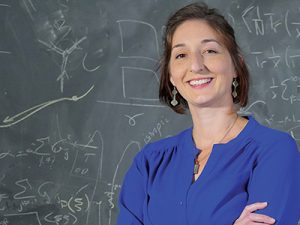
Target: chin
[(201, 103), (210, 103)]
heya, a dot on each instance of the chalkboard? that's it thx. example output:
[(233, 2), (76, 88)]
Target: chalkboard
[(79, 96)]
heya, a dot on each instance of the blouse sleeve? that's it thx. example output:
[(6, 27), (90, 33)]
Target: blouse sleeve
[(132, 195), (276, 180)]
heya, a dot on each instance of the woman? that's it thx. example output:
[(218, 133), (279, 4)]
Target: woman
[(226, 169)]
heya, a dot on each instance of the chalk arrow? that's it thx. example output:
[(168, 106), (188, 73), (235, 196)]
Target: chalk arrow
[(9, 121)]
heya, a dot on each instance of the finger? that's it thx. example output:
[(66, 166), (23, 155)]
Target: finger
[(248, 222), (253, 207), (261, 218), (254, 223)]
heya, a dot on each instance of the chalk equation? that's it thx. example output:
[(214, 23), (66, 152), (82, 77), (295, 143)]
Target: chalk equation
[(257, 20), (287, 90), (276, 58), (61, 177), (60, 180)]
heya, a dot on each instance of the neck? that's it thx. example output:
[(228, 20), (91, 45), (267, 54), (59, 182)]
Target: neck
[(212, 126)]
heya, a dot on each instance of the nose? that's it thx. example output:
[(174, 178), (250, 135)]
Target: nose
[(197, 63)]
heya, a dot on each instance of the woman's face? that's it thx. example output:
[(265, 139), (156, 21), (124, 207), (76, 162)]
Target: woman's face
[(200, 65)]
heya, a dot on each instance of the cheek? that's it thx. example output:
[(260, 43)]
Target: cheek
[(173, 73), (223, 67), (177, 70)]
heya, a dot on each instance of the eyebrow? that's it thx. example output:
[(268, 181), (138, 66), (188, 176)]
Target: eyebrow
[(204, 41)]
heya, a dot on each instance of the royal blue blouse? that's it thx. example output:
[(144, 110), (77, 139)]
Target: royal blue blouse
[(260, 164)]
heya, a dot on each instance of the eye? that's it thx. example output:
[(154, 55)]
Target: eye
[(210, 51), (180, 56)]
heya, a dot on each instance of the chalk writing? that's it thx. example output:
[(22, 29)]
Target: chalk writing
[(287, 90), (274, 59), (129, 71), (131, 120), (111, 193), (256, 21), (4, 5), (133, 23), (85, 67), (5, 52), (156, 130), (146, 77), (29, 7), (9, 121), (131, 104), (34, 217), (60, 169), (65, 57), (29, 192), (61, 218)]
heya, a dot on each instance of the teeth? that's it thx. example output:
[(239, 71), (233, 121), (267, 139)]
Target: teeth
[(199, 82)]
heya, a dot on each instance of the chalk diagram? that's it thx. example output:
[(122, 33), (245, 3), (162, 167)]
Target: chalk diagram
[(12, 120), (53, 35), (65, 54), (144, 79)]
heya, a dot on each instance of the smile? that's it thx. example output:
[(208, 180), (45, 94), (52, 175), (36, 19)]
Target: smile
[(200, 81)]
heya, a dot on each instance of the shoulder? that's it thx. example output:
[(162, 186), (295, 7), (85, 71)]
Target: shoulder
[(273, 142), (265, 136)]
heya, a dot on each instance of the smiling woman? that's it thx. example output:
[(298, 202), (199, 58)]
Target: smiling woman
[(224, 39), (227, 168), (200, 65)]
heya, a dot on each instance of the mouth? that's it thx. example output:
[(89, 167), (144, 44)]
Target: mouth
[(200, 82)]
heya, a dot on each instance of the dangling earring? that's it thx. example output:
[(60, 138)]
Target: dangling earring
[(235, 84), (174, 102)]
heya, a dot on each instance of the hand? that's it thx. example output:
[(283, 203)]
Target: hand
[(248, 217)]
